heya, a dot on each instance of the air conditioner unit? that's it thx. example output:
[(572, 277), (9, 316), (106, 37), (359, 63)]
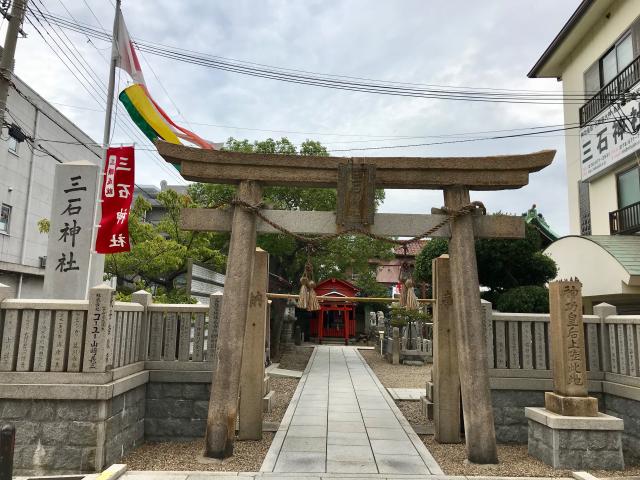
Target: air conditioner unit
[(43, 262)]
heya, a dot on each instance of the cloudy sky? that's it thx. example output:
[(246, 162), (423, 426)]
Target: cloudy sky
[(462, 43)]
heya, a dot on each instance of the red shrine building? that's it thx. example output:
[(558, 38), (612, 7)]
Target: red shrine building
[(336, 317)]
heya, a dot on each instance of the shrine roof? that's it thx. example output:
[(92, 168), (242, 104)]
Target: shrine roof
[(341, 287), (476, 173), (624, 248), (413, 249)]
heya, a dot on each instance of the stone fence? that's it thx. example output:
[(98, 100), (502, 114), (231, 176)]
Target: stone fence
[(518, 348), (55, 336), (85, 382)]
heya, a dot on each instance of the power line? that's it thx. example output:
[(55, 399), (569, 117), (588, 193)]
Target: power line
[(328, 81)]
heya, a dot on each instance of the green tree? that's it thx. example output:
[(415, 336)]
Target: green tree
[(160, 253), (342, 257), (339, 257), (502, 264)]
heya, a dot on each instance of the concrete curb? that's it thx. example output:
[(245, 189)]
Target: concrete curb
[(113, 472)]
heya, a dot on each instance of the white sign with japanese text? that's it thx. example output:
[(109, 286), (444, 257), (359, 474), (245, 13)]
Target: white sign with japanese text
[(604, 141), (70, 233)]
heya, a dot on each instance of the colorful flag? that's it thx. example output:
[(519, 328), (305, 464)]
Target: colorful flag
[(150, 118), (126, 57), (117, 193)]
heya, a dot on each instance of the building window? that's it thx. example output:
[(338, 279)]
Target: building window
[(609, 65), (628, 187), (5, 218), (13, 145)]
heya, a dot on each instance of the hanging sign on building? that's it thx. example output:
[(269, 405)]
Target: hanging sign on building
[(606, 140), (117, 193)]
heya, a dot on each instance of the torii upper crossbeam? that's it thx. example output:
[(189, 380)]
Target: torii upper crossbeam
[(475, 173), (456, 176)]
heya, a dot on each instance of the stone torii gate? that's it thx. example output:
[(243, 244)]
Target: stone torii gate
[(356, 179)]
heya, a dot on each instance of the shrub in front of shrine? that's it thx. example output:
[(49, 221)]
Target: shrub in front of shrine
[(527, 299)]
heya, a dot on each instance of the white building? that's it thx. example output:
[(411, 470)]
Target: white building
[(26, 184), (596, 55)]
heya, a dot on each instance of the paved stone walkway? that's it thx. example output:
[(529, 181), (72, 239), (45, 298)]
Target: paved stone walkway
[(342, 420)]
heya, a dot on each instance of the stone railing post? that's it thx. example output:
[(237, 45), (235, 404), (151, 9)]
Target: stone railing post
[(99, 334), (145, 299), (487, 312), (604, 310)]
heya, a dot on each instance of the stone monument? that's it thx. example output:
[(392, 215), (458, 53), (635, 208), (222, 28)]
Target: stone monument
[(72, 268), (570, 432)]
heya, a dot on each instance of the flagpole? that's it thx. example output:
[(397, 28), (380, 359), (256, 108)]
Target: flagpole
[(96, 260), (112, 79)]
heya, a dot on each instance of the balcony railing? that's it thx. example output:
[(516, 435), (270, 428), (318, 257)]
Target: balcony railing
[(626, 220), (621, 83)]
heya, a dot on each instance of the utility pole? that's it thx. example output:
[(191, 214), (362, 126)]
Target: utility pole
[(16, 17)]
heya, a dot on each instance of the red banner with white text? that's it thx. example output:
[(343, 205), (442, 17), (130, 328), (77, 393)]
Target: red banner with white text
[(117, 193)]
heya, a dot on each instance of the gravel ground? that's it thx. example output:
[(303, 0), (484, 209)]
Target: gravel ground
[(179, 456), (412, 411), (283, 389), (397, 376), (514, 462), (247, 456)]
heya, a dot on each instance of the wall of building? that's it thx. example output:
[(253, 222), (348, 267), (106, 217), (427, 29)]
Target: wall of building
[(26, 183), (595, 44)]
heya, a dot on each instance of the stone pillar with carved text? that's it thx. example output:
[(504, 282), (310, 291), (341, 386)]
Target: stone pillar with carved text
[(569, 432), (568, 358)]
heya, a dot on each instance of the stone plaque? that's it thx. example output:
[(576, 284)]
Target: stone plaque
[(593, 347), (170, 336), (9, 341), (76, 336), (501, 345), (356, 196), (117, 339), (68, 273), (631, 351), (100, 320), (155, 341), (527, 344), (514, 345), (185, 337), (27, 340), (44, 339), (568, 360), (612, 348), (60, 341), (540, 346), (215, 306), (622, 348), (198, 338)]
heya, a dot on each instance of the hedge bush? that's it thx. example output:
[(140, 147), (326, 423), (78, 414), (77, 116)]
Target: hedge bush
[(527, 299)]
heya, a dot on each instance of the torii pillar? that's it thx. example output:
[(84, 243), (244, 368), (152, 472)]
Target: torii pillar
[(455, 176)]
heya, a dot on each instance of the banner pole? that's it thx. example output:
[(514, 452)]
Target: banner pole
[(96, 262)]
